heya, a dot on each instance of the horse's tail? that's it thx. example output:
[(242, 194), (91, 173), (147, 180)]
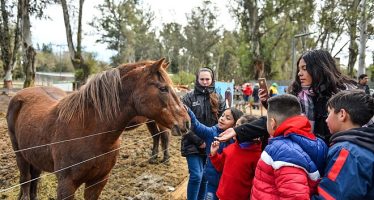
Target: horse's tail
[(13, 110)]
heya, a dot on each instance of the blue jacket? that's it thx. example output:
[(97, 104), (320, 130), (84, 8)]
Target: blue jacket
[(349, 172), (207, 134)]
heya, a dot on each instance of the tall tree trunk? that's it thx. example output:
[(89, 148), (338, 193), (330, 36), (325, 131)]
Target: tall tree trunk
[(29, 66), (254, 38), (81, 68), (27, 49), (7, 53), (353, 52), (363, 27)]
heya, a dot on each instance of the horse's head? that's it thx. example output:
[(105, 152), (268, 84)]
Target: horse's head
[(153, 95)]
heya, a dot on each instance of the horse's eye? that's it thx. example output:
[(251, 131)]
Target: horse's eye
[(163, 89)]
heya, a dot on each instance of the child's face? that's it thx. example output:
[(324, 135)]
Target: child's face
[(333, 121), (226, 120)]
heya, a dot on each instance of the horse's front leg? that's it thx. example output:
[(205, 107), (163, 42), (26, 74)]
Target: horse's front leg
[(165, 138), (155, 132), (93, 189), (65, 188), (35, 174)]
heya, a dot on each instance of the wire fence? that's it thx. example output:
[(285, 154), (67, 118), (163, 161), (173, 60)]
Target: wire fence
[(11, 188), (68, 140)]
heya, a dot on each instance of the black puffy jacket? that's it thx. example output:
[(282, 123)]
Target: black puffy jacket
[(199, 103)]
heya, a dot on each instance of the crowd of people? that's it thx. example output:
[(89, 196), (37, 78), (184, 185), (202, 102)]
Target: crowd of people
[(316, 142), (246, 95)]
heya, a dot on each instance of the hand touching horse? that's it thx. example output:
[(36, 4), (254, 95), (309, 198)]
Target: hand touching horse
[(44, 115)]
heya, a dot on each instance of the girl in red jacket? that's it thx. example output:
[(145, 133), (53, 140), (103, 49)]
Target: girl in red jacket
[(237, 163)]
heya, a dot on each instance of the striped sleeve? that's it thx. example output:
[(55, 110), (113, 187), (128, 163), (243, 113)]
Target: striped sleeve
[(345, 177)]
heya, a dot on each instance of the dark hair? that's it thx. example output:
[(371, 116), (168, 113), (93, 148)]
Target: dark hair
[(236, 113), (247, 118), (283, 106), (362, 76), (326, 77), (358, 104)]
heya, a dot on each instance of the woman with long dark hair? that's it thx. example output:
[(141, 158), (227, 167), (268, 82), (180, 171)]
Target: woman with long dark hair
[(317, 79)]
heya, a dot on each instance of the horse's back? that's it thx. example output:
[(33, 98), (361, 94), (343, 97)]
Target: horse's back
[(32, 101), (35, 94)]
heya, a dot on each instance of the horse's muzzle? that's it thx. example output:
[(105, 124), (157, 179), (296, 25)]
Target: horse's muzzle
[(178, 130)]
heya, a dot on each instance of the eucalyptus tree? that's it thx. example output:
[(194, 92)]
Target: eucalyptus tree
[(82, 69), (15, 32), (173, 42), (227, 51), (202, 34), (265, 25), (9, 38), (125, 27), (339, 20)]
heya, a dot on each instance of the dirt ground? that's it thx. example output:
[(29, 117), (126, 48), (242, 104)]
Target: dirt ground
[(132, 177)]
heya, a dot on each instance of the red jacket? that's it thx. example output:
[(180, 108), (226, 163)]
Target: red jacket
[(248, 90), (237, 165), (291, 164)]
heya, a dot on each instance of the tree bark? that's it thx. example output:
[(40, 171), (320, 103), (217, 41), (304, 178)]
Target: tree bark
[(29, 67), (81, 68), (27, 48), (7, 53), (363, 27)]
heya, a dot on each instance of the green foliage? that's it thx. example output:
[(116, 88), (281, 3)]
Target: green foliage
[(94, 65), (47, 61), (183, 78), (201, 35), (172, 42), (127, 29), (228, 61), (370, 72)]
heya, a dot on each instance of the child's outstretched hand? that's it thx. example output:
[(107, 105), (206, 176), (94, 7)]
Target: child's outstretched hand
[(226, 135), (214, 148)]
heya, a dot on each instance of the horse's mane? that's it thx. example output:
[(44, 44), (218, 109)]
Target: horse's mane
[(101, 91)]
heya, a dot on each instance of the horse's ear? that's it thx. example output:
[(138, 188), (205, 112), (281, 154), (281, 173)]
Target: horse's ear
[(165, 65), (156, 65)]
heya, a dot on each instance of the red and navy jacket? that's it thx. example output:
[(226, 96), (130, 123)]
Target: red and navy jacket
[(291, 164), (237, 163), (350, 166)]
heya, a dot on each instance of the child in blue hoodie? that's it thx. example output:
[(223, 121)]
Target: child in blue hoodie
[(349, 172), (227, 120)]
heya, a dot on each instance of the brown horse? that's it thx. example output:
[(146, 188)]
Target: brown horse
[(44, 115), (157, 132)]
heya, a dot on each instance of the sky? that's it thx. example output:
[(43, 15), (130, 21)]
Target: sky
[(53, 31)]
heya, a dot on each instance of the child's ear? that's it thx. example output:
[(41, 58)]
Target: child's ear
[(343, 115), (273, 124)]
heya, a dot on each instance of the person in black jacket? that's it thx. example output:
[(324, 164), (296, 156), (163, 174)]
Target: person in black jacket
[(207, 106), (363, 83)]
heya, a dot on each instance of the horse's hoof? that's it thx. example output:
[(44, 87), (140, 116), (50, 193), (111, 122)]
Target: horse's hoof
[(153, 161), (165, 161)]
